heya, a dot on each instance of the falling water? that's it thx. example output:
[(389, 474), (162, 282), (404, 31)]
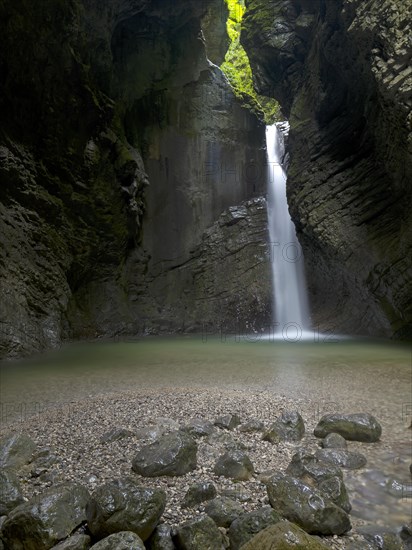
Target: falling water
[(291, 310)]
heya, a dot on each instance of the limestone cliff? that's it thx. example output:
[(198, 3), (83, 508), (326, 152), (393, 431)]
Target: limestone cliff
[(342, 72), (116, 130)]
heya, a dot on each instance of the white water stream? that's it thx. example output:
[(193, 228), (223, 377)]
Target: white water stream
[(290, 302)]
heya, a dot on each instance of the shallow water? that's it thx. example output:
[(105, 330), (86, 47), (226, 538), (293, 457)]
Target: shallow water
[(327, 376)]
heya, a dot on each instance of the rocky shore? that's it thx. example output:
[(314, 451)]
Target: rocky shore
[(169, 468)]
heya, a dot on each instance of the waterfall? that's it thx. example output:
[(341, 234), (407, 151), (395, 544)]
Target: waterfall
[(290, 302)]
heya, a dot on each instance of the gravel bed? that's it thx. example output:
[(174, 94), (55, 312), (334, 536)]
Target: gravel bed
[(74, 433)]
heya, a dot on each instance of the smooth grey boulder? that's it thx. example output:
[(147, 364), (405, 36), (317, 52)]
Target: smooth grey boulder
[(115, 434), (251, 426), (122, 505), (247, 525), (46, 519), (16, 450), (334, 441), (197, 493), (161, 538), (199, 533), (124, 540), (75, 542), (288, 427), (223, 510), (228, 421), (198, 427), (306, 507), (282, 536), (342, 458), (353, 427), (234, 465), (174, 454), (10, 492)]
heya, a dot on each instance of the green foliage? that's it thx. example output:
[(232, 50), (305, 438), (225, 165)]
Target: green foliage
[(237, 68)]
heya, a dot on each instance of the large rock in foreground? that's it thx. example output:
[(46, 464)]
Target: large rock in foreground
[(46, 519), (282, 536), (122, 505), (174, 454), (77, 541), (10, 492), (306, 507), (125, 540), (246, 526), (354, 427), (325, 476), (16, 450), (201, 532)]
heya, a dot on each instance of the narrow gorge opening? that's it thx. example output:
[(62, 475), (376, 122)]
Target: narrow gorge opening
[(290, 315)]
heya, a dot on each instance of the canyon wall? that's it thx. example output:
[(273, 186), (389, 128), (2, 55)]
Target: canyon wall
[(342, 72), (128, 173)]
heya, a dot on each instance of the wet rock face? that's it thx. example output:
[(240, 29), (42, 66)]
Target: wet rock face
[(46, 519), (108, 186), (122, 505), (340, 71), (307, 507), (174, 454), (283, 535)]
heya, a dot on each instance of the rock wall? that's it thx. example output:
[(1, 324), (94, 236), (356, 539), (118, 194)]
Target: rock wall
[(116, 136), (342, 72)]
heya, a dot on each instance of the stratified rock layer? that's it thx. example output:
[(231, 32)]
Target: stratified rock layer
[(341, 71)]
